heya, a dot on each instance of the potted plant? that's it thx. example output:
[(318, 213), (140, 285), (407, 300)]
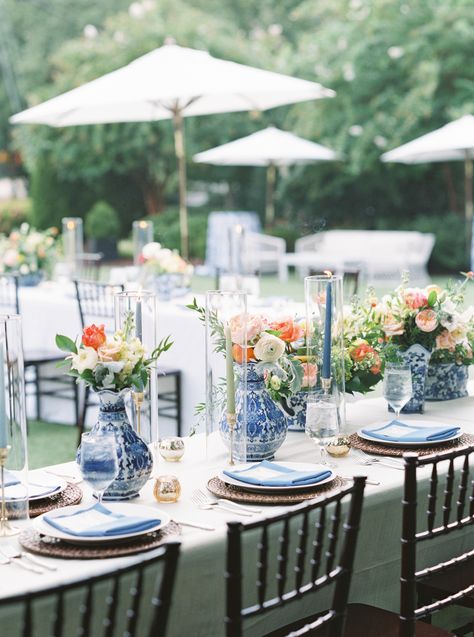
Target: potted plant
[(102, 225)]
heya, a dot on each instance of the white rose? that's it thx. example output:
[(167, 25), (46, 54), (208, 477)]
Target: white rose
[(151, 250), (275, 382), (269, 348), (86, 358)]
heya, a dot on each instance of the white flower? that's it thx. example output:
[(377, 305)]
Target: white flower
[(86, 358), (275, 382), (269, 348), (151, 250)]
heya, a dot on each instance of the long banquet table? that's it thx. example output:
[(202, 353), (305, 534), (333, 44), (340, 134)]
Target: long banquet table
[(199, 596)]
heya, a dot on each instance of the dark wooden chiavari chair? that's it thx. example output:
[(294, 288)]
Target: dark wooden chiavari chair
[(325, 549), (96, 301), (429, 590), (38, 361), (133, 601)]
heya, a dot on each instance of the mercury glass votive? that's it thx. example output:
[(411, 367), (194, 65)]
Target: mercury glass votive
[(167, 489), (339, 446), (172, 449)]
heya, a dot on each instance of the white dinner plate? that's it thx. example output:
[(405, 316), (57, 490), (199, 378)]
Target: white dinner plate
[(295, 466), (16, 492), (417, 423), (42, 526)]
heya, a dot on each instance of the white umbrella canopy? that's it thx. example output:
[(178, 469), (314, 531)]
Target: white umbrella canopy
[(452, 142), (270, 147), (172, 82)]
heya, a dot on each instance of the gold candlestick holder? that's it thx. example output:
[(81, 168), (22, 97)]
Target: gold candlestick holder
[(138, 397), (6, 529), (231, 421)]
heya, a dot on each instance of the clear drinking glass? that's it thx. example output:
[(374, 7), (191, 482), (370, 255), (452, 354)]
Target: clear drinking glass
[(322, 422), (397, 386), (99, 462)]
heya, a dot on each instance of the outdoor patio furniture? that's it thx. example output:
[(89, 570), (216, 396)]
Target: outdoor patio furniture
[(262, 252), (378, 254), (219, 225)]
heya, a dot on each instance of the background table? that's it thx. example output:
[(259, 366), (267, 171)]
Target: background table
[(199, 597)]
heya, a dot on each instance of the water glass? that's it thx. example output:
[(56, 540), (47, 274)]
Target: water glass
[(322, 422), (397, 386), (99, 462)]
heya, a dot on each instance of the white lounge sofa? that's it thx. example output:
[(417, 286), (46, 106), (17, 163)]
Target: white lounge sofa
[(378, 254), (262, 252)]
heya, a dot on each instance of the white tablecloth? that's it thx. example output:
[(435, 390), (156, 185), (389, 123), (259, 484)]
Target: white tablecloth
[(198, 606)]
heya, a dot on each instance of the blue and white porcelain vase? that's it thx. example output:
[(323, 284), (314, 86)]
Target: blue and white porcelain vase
[(30, 280), (266, 421), (134, 458), (418, 358), (297, 404), (446, 381)]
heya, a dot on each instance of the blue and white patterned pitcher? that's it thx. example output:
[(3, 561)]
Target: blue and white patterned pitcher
[(134, 458)]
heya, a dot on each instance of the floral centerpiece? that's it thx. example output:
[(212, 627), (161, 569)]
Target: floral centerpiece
[(424, 325), (28, 253), (167, 270), (112, 366), (273, 374)]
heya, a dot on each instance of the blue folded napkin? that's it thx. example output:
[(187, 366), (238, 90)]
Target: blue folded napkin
[(397, 431), (98, 521), (269, 474)]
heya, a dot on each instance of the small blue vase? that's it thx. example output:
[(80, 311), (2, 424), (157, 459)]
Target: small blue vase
[(266, 422), (134, 458), (446, 381)]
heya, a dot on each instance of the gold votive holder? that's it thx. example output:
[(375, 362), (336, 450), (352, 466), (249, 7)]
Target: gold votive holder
[(339, 446), (171, 449), (167, 489)]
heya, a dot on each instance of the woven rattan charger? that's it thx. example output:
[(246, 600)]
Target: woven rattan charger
[(219, 488), (389, 450)]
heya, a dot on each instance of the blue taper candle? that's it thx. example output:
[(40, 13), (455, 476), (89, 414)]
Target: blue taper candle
[(326, 371)]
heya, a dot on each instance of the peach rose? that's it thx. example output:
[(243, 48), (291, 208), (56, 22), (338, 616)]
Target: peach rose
[(427, 320), (392, 327), (415, 298), (288, 329), (244, 328), (310, 374), (109, 352), (446, 340)]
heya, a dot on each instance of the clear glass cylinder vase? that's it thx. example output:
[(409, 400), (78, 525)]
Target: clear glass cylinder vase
[(139, 309), (142, 232), (226, 373), (13, 438), (325, 338), (73, 242)]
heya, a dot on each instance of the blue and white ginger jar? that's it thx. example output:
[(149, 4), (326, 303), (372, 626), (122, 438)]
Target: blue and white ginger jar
[(134, 457), (266, 422), (418, 358), (446, 381)]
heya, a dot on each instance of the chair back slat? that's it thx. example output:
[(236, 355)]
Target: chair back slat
[(262, 566), (162, 566), (333, 537), (432, 497), (96, 300), (300, 519), (458, 465), (301, 552), (85, 610), (110, 600), (283, 557), (320, 528), (448, 493), (462, 491)]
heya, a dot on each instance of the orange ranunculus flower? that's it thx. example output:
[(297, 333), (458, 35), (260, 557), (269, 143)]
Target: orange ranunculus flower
[(377, 366), (94, 336), (361, 351), (289, 331), (238, 354)]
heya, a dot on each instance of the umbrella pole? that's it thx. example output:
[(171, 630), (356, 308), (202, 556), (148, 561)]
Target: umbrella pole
[(270, 199), (468, 204), (178, 125)]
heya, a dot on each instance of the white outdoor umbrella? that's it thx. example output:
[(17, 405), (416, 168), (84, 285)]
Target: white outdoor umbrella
[(272, 148), (172, 82), (452, 142)]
